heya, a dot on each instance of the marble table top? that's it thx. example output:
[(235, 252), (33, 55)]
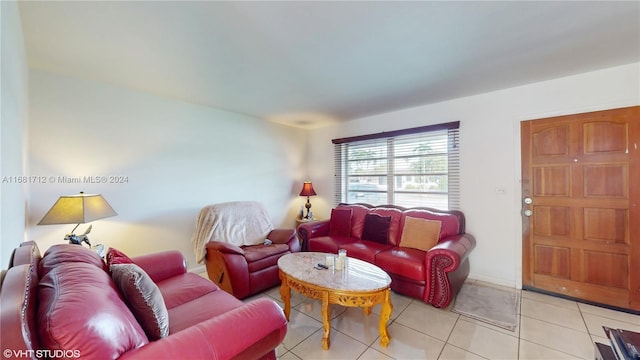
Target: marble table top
[(357, 275)]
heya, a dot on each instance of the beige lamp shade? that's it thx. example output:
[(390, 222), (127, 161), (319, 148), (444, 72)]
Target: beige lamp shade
[(78, 209)]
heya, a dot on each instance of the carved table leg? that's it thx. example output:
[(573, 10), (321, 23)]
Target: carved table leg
[(385, 314), (285, 294), (326, 321)]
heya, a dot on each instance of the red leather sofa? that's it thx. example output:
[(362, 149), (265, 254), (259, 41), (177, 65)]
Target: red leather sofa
[(65, 304), (434, 276)]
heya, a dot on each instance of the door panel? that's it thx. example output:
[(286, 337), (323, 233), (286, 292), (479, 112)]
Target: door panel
[(551, 221), (551, 141), (605, 225), (582, 237), (552, 180), (607, 181), (605, 137), (604, 268), (552, 260)]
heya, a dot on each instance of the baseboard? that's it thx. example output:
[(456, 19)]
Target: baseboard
[(562, 296), (198, 269), (487, 279)]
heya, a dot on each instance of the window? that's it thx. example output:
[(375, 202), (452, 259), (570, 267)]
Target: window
[(412, 167)]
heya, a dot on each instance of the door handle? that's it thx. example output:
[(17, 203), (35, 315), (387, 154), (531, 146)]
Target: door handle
[(528, 200), (528, 213)]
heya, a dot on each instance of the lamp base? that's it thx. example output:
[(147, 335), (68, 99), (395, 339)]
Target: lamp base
[(77, 239), (308, 206)]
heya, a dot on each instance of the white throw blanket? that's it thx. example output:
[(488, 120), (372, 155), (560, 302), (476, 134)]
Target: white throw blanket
[(238, 223)]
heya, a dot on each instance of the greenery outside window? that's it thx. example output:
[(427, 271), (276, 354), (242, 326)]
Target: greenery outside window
[(411, 167)]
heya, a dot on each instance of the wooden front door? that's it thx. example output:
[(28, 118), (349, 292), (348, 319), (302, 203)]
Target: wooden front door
[(581, 206)]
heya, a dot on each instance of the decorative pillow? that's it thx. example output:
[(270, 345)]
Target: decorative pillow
[(340, 223), (115, 256), (422, 234), (395, 231), (143, 298), (376, 228), (450, 222)]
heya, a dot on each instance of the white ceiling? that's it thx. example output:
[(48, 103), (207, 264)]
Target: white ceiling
[(308, 63)]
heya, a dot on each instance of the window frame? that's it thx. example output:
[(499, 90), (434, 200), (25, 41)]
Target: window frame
[(341, 149)]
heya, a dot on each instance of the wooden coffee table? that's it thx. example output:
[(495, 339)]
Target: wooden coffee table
[(359, 284)]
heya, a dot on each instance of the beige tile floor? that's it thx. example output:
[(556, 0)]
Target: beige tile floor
[(548, 328)]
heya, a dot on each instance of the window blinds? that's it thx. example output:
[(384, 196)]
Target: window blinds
[(411, 167)]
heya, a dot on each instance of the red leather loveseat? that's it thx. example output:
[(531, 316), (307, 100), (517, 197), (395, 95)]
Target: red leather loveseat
[(433, 274), (66, 304)]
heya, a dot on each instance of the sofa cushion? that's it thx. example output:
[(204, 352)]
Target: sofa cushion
[(259, 252), (269, 261), (329, 244), (201, 309), (422, 234), (364, 250), (143, 298), (450, 223), (406, 262), (359, 212), (181, 289), (115, 256), (376, 228), (80, 310), (340, 223)]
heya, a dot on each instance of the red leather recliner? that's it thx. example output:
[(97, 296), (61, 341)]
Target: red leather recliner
[(231, 238)]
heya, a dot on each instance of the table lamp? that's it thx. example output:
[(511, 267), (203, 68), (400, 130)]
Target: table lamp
[(78, 209), (307, 190)]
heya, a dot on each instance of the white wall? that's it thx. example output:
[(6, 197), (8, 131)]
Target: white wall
[(490, 153), (13, 131), (178, 157)]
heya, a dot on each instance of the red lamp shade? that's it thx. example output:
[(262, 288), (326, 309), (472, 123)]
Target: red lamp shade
[(307, 189)]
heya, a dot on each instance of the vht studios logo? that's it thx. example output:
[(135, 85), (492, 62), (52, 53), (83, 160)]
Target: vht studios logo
[(41, 353)]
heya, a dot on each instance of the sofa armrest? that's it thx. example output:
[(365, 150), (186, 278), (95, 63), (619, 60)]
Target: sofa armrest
[(313, 229), (162, 265), (18, 307), (285, 236), (27, 253), (249, 331), (457, 248), (224, 247), (447, 268), (281, 236)]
